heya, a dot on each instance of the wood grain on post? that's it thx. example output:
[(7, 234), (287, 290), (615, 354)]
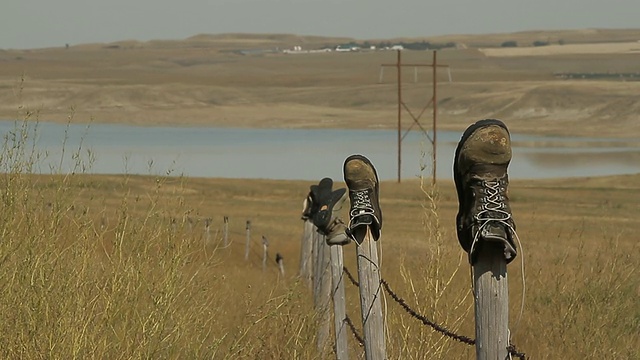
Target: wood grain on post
[(370, 299), (322, 295), (314, 260), (306, 252), (339, 302), (491, 303)]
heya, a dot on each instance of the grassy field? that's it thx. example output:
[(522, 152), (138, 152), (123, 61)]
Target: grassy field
[(120, 266)]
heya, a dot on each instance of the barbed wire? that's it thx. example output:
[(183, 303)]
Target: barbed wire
[(514, 352), (353, 330), (351, 278), (439, 328)]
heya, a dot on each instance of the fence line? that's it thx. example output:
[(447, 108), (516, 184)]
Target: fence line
[(439, 328), (511, 349)]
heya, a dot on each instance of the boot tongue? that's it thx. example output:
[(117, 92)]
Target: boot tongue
[(498, 233), (359, 226), (363, 220), (494, 232)]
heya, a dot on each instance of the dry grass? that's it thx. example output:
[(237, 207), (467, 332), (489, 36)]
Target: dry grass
[(120, 267)]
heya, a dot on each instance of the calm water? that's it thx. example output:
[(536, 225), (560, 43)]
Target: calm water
[(302, 154)]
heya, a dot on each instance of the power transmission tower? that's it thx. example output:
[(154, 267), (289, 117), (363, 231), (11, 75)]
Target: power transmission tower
[(401, 104)]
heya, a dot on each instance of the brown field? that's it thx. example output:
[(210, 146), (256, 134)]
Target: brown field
[(88, 263), (203, 80), (118, 267), (572, 49)]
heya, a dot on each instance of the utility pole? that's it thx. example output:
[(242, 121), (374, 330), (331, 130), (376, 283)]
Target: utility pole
[(398, 65)]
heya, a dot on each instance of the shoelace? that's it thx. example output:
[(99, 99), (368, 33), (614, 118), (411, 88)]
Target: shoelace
[(491, 208), (361, 204)]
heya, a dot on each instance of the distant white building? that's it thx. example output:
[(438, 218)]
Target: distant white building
[(397, 47), (345, 48)]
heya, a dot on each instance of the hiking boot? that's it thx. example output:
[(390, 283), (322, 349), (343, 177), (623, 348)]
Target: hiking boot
[(336, 232), (327, 219), (310, 205), (362, 181), (328, 207), (480, 173)]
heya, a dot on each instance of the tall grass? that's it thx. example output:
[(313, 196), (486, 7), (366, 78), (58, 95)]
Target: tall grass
[(72, 287), (96, 270), (110, 267)]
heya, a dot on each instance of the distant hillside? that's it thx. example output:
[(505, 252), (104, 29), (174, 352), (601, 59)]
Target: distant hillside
[(234, 41), (527, 38)]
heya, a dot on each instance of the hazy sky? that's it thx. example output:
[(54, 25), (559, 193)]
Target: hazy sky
[(44, 23)]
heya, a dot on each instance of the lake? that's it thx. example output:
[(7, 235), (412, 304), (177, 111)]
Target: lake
[(300, 154)]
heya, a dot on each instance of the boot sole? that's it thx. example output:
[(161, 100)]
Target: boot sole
[(366, 161), (323, 216)]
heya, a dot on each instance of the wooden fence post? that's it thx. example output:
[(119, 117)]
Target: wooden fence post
[(322, 293), (207, 230), (314, 261), (225, 231), (174, 226), (280, 262), (190, 224), (248, 243), (265, 250), (370, 304), (339, 305), (491, 295), (306, 252)]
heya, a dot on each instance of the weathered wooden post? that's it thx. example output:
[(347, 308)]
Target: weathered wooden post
[(491, 295), (248, 243), (174, 226), (306, 252), (265, 250), (225, 231), (322, 293), (207, 230), (280, 262), (370, 303), (314, 261), (190, 224), (339, 303)]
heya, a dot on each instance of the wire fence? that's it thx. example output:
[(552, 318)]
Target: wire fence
[(437, 327), (512, 350), (355, 333)]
